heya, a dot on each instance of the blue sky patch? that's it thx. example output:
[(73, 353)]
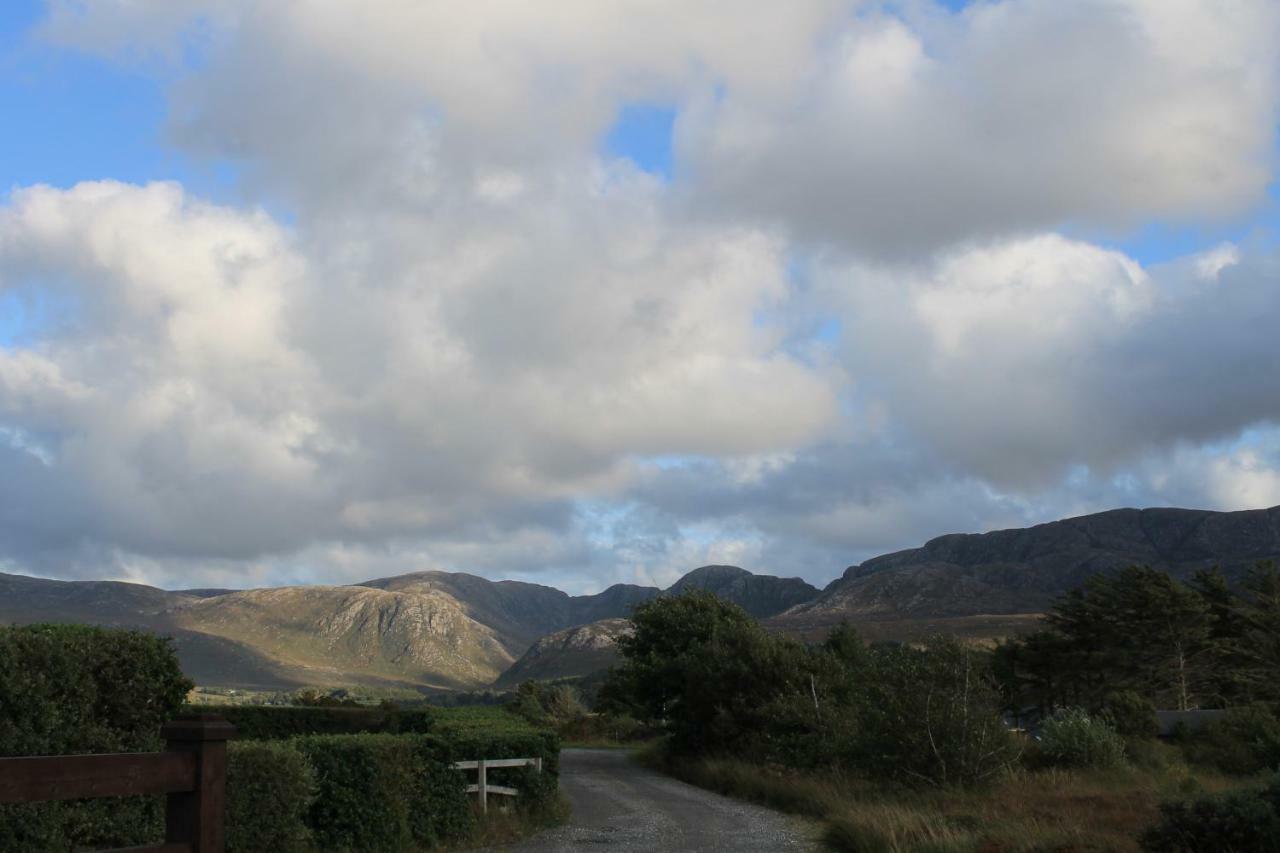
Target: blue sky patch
[(642, 134)]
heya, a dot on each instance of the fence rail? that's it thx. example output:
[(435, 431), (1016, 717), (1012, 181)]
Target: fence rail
[(483, 765), (192, 771)]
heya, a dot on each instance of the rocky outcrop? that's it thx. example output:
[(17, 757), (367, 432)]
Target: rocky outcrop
[(760, 595), (573, 652), (1023, 570)]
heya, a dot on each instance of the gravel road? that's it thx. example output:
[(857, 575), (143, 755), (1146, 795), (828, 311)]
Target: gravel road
[(618, 805)]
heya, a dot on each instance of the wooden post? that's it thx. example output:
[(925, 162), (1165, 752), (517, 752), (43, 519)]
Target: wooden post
[(196, 817), (482, 785)]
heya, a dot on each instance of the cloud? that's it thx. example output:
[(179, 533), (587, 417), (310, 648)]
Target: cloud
[(1018, 360), (1011, 118), (445, 328), (218, 393)]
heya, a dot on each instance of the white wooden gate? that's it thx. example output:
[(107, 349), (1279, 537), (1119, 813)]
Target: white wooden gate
[(482, 786)]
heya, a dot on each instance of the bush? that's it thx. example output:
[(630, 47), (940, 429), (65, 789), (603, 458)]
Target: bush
[(269, 789), (1245, 742), (272, 722), (932, 716), (1130, 714), (1072, 738), (67, 689), (1239, 822), (380, 792)]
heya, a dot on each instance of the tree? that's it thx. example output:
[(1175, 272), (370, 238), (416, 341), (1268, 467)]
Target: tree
[(933, 716), (1259, 647), (652, 680)]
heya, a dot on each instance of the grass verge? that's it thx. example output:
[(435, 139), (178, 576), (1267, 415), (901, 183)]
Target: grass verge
[(1028, 810), (507, 824)]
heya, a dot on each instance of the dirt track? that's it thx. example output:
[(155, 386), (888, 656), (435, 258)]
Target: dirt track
[(618, 805)]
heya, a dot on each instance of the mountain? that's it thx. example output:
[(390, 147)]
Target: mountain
[(759, 595), (581, 650), (430, 629), (1021, 571), (449, 630)]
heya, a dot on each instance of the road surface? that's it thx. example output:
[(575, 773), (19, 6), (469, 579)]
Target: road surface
[(618, 805)]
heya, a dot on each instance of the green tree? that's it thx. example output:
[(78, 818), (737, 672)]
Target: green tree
[(932, 716), (1259, 647)]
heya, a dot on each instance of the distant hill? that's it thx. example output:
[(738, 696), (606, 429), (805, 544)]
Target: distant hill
[(760, 595), (1020, 571), (572, 652), (454, 630), (426, 629)]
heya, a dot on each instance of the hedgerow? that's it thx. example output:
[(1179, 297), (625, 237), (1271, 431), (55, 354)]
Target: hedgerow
[(270, 787), (67, 689), (270, 722)]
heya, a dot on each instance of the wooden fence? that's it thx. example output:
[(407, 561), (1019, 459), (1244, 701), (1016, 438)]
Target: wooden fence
[(192, 771), (482, 786)]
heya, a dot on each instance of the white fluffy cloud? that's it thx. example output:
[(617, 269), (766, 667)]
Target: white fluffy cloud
[(468, 338), (212, 391)]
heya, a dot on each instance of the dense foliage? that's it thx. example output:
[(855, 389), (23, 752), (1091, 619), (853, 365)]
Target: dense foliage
[(75, 689), (1178, 645), (1240, 822), (720, 684), (1072, 738), (1245, 742), (270, 787), (383, 792), (274, 722), (376, 791)]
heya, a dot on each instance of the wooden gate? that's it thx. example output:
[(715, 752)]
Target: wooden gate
[(192, 771)]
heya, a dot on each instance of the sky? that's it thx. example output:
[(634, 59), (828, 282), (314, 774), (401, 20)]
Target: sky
[(589, 293)]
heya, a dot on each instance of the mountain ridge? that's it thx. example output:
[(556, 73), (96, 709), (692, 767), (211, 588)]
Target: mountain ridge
[(456, 630)]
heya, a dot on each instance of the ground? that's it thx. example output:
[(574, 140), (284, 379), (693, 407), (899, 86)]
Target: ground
[(618, 805)]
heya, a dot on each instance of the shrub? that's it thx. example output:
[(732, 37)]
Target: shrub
[(1239, 822), (1130, 714), (932, 716), (272, 722), (1245, 742), (382, 792), (67, 689), (1072, 738), (269, 789), (379, 792)]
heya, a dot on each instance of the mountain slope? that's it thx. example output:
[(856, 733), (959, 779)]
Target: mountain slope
[(1023, 570), (759, 595), (581, 650), (328, 634)]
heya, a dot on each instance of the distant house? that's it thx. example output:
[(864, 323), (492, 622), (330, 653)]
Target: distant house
[(1193, 721)]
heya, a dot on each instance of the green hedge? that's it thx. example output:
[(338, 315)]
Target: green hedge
[(270, 722), (384, 792), (388, 792), (270, 786), (67, 689)]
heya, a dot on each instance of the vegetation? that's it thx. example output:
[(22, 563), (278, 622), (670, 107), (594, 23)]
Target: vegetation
[(910, 748), (299, 779), (1246, 821), (560, 705), (1201, 645), (76, 689), (1071, 738), (270, 788), (274, 722)]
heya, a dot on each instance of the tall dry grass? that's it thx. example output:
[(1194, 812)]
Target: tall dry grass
[(1050, 809)]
